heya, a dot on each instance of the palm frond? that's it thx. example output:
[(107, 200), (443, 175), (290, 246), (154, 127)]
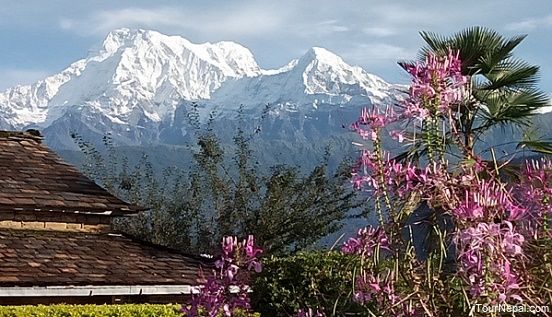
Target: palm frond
[(541, 147), (495, 56), (502, 107), (535, 142), (512, 74), (472, 44), (405, 64), (435, 43), (532, 98)]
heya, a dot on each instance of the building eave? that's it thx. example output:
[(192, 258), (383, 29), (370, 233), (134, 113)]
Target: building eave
[(97, 290)]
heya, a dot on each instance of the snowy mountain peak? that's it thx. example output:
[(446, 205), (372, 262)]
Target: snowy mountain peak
[(325, 72), (232, 58), (322, 55), (117, 38)]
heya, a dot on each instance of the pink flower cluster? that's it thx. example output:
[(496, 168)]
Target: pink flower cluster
[(487, 253), (493, 220), (401, 179), (370, 288), (236, 255), (226, 290), (373, 288), (488, 200), (366, 242), (488, 237), (536, 189), (437, 83), (438, 88), (372, 121)]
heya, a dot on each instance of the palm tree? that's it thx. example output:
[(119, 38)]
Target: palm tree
[(503, 88), (503, 92)]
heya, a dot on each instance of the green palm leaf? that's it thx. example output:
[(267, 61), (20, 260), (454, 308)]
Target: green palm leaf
[(534, 142), (515, 74), (505, 107), (542, 147)]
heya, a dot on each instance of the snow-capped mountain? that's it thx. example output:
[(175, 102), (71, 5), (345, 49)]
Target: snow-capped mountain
[(317, 77), (139, 84)]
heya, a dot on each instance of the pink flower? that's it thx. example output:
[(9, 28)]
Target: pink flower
[(215, 297), (366, 242), (379, 289), (511, 241), (371, 122), (250, 249), (228, 244), (231, 271), (396, 135), (487, 200), (535, 193), (257, 266)]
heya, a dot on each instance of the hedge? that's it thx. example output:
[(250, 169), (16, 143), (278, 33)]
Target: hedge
[(130, 310), (321, 280)]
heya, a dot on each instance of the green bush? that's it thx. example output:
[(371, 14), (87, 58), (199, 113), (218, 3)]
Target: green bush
[(307, 279), (130, 310)]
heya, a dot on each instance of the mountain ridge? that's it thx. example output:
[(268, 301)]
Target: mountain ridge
[(137, 80)]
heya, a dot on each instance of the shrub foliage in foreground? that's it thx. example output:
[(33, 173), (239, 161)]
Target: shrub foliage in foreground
[(306, 279), (130, 310)]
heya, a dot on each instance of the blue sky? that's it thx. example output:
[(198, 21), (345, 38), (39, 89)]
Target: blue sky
[(43, 37)]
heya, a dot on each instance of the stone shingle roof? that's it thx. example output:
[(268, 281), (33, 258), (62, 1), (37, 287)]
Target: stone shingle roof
[(35, 179), (45, 258)]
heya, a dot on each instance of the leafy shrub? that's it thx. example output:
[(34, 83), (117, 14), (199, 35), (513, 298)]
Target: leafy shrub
[(130, 310), (322, 280)]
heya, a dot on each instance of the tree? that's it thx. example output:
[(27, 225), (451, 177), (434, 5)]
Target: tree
[(225, 193)]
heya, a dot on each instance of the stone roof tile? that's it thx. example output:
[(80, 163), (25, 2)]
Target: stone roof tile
[(44, 258), (36, 179)]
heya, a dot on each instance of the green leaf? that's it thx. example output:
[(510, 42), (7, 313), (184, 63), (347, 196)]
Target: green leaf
[(542, 147)]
